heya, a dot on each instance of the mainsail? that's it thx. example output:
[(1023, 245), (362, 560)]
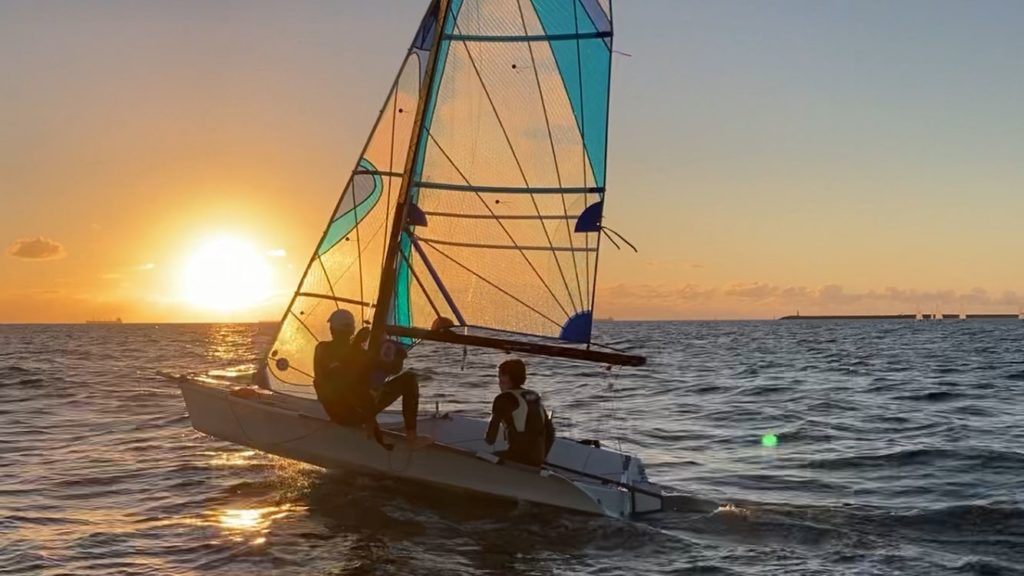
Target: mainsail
[(479, 195)]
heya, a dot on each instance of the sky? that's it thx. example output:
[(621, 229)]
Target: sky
[(766, 157)]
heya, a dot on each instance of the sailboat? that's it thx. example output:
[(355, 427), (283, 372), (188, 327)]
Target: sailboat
[(472, 218)]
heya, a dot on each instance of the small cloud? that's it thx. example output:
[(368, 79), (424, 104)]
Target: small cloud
[(277, 253), (146, 266), (111, 276), (696, 266), (752, 290), (38, 248)]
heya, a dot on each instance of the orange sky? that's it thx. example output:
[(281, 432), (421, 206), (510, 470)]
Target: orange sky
[(765, 159)]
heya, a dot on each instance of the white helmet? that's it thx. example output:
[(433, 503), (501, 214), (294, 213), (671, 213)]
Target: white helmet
[(341, 319)]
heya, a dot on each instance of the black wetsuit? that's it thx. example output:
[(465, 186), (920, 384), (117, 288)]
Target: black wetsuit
[(343, 373), (529, 431)]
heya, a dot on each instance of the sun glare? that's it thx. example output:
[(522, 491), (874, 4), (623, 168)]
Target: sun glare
[(226, 274)]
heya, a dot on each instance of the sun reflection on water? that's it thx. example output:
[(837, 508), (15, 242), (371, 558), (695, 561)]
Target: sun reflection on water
[(252, 523), (244, 458)]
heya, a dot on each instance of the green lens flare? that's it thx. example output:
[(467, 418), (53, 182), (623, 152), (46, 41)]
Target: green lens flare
[(769, 440)]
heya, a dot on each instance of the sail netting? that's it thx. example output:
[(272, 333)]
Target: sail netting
[(344, 270), (508, 179)]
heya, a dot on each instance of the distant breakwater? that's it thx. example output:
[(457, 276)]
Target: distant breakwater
[(906, 317)]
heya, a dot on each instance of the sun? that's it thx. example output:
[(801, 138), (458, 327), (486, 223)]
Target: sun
[(225, 274)]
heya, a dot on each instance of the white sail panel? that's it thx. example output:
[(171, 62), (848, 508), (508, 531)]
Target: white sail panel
[(511, 171)]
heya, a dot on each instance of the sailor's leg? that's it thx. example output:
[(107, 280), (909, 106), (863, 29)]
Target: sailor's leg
[(406, 386)]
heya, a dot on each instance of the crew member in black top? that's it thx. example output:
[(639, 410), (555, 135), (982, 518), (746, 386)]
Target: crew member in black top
[(353, 387), (528, 428)]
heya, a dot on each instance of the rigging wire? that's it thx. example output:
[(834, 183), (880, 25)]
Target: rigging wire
[(612, 377), (608, 232)]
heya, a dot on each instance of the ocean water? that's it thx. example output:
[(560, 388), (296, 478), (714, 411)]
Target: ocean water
[(900, 451)]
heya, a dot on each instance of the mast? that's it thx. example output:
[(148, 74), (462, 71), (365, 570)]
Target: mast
[(386, 290)]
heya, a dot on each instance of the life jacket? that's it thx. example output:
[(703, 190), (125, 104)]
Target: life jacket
[(529, 417)]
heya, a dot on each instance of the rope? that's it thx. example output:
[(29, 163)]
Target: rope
[(612, 377)]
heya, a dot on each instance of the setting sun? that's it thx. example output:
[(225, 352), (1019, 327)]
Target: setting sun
[(225, 274)]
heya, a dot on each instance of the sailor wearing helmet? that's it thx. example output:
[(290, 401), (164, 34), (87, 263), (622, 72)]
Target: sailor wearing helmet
[(354, 387)]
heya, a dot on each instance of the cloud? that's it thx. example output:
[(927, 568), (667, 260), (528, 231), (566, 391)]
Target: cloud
[(752, 291), (277, 253), (38, 248), (146, 266)]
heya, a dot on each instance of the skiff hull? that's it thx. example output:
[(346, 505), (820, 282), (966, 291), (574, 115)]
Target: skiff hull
[(583, 478)]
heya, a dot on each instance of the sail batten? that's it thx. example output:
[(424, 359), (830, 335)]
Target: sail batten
[(527, 38), (453, 187)]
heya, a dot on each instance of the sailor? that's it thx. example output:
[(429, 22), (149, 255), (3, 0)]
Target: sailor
[(354, 387), (528, 427)]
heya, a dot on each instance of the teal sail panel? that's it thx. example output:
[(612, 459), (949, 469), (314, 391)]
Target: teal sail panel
[(372, 185), (585, 67)]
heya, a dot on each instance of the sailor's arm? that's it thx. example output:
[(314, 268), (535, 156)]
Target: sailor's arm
[(499, 412), (318, 362), (492, 430)]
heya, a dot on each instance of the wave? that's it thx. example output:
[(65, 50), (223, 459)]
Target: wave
[(13, 369), (981, 458), (1006, 521), (933, 396)]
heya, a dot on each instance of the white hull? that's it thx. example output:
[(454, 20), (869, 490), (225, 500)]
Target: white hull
[(600, 481)]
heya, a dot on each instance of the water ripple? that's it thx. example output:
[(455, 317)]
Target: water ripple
[(898, 453)]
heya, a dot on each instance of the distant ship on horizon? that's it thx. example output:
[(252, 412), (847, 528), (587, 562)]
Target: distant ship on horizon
[(114, 321)]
